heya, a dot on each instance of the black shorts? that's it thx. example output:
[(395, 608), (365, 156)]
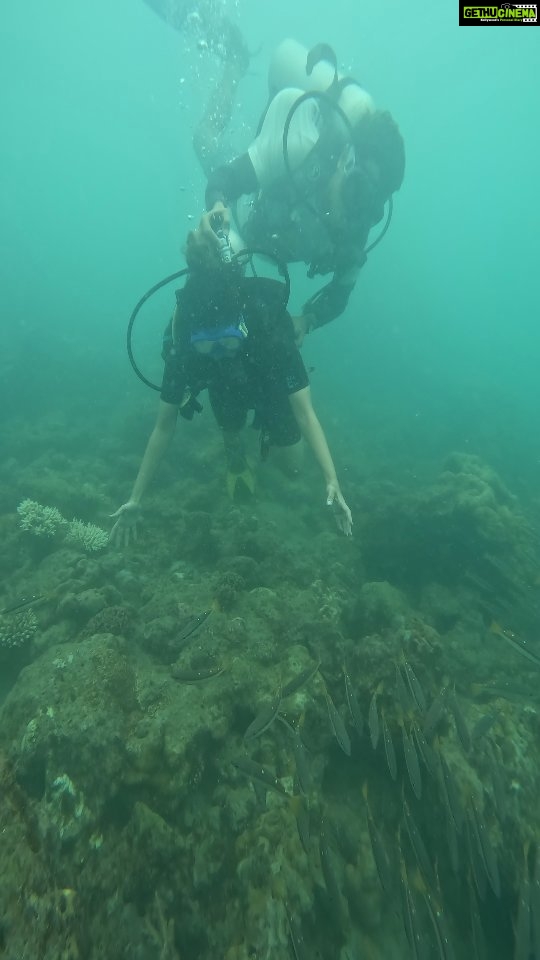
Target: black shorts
[(273, 415)]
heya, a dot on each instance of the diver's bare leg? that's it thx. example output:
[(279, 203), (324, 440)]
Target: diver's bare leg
[(218, 110)]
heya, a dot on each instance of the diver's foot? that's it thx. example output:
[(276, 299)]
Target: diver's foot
[(241, 486)]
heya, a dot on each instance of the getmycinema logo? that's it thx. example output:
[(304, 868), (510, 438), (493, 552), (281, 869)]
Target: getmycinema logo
[(502, 15)]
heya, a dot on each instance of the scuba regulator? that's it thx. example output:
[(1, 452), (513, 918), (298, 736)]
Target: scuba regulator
[(224, 244)]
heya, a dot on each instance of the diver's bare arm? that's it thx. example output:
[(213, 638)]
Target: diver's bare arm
[(312, 432), (157, 444)]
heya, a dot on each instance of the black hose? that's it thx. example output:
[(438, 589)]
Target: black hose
[(247, 254)]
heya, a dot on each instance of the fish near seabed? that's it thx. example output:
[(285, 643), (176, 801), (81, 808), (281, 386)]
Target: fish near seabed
[(389, 749), (264, 718), (411, 762), (337, 725), (518, 644), (352, 703), (380, 855), (373, 721)]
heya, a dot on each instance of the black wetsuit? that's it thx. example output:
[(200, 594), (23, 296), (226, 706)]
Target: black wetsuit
[(260, 376), (273, 225)]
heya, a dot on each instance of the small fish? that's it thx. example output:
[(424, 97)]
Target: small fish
[(435, 713), (404, 695), (22, 602), (451, 794), (488, 853), (301, 813), (389, 749), (373, 722), (499, 789), (329, 874), (522, 943), (187, 675), (296, 936), (352, 703), (417, 845), (255, 771), (518, 644), (301, 758), (461, 725), (300, 680), (479, 941), (193, 625), (410, 913), (264, 718), (415, 687), (411, 762), (475, 860), (338, 727), (440, 929), (427, 753), (452, 840), (380, 856), (511, 690)]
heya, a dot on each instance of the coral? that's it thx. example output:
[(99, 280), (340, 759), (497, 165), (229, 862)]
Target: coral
[(116, 620), (39, 520), (228, 588), (47, 521), (378, 606), (18, 630), (90, 537)]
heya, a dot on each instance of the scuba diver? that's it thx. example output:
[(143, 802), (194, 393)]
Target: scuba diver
[(232, 334), (320, 170)]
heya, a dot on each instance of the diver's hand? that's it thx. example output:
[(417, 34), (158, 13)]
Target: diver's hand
[(124, 530), (302, 325), (334, 498), (218, 218)]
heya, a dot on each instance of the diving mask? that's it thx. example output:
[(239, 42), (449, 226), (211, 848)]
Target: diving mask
[(220, 341)]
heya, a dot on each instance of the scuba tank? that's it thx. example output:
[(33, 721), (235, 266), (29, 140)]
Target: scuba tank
[(288, 69), (301, 77)]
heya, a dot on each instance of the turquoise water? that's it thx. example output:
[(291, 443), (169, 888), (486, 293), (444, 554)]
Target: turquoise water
[(130, 827)]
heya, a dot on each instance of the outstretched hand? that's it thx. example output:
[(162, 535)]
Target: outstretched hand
[(124, 530), (334, 498)]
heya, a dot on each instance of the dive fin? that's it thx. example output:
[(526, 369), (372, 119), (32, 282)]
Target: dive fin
[(241, 486)]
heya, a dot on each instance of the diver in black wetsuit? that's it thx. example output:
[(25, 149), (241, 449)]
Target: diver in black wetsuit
[(232, 335)]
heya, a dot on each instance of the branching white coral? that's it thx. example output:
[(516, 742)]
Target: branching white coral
[(46, 521), (90, 537), (18, 630), (39, 520)]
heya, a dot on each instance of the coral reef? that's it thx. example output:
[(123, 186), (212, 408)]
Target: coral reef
[(17, 630), (388, 777)]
